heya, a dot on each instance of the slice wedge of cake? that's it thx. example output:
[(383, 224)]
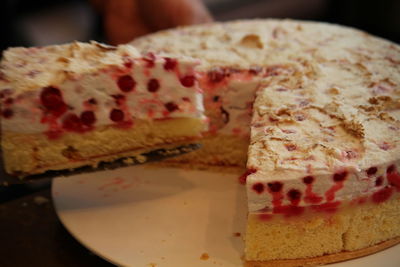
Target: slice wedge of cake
[(323, 162), (65, 106)]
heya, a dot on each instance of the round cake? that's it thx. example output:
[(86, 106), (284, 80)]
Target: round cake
[(314, 110)]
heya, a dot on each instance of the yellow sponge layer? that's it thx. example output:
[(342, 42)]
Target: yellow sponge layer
[(217, 150), (35, 153), (349, 229)]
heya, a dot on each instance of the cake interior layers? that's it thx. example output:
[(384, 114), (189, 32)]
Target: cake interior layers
[(352, 227), (229, 94), (69, 105)]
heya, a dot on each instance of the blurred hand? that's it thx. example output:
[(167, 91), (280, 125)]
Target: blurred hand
[(125, 20)]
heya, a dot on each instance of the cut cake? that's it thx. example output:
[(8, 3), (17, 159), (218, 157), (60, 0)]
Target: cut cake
[(313, 108)]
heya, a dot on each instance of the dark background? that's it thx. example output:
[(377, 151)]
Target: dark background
[(42, 22)]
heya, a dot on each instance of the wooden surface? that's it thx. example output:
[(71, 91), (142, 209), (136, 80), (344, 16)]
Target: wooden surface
[(32, 235)]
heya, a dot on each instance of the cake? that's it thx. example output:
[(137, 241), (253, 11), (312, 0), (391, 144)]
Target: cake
[(312, 110), (323, 156), (78, 104)]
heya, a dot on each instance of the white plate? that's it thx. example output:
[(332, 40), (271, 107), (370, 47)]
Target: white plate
[(139, 216)]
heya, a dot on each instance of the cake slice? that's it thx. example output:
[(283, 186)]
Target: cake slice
[(65, 106)]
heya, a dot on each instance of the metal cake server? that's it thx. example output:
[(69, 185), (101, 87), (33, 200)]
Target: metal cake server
[(147, 157)]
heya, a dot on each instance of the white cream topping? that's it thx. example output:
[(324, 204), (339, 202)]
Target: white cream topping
[(91, 73), (238, 101)]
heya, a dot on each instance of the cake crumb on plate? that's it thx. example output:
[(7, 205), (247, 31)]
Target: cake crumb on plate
[(204, 256)]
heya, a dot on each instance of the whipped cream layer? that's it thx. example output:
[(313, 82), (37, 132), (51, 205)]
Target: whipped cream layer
[(229, 94), (326, 122), (77, 87)]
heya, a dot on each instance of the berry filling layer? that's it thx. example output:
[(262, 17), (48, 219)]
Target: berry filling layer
[(78, 87)]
